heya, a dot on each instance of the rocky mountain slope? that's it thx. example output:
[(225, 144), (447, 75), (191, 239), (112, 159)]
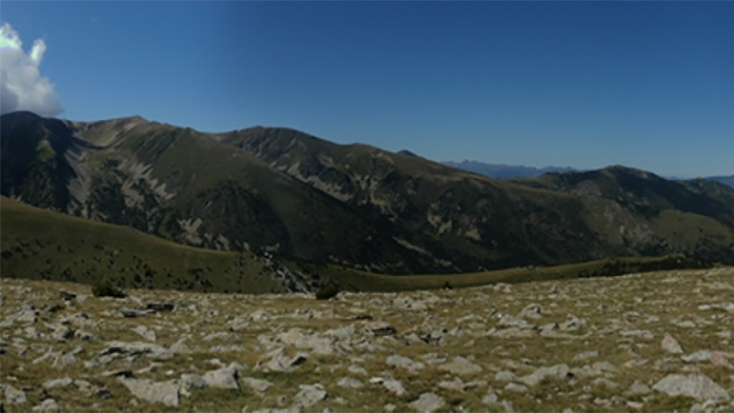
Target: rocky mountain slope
[(650, 342), (308, 199)]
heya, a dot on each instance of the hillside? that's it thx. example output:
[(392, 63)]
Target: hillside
[(656, 342), (44, 245), (309, 200)]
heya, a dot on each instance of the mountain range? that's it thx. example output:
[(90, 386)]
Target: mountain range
[(308, 200), (502, 171)]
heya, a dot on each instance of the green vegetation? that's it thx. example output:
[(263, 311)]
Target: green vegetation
[(105, 289), (328, 291), (39, 244)]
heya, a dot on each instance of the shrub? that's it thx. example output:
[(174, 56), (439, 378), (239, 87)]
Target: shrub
[(327, 291), (105, 289)]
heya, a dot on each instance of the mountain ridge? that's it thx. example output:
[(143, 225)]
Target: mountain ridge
[(306, 198)]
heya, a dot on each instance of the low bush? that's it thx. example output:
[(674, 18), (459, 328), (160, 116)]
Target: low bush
[(327, 291), (105, 289)]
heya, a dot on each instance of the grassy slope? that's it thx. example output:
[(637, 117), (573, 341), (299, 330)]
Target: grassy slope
[(39, 244)]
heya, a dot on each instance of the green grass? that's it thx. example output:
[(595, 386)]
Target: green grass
[(350, 279), (39, 244)]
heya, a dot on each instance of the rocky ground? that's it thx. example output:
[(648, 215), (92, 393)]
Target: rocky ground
[(643, 342)]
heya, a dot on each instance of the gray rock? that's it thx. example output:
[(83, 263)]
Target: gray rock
[(638, 388), (224, 378), (180, 347), (349, 382), (355, 369), (505, 375), (233, 348), (309, 395), (62, 360), (130, 313), (697, 386), (671, 345), (48, 405), (461, 366), (392, 385), (557, 372), (258, 385), (532, 311), (586, 355), (279, 361), (491, 399), (379, 329), (155, 392), (191, 381), (428, 402), (14, 396), (404, 362), (63, 382), (146, 333), (517, 388)]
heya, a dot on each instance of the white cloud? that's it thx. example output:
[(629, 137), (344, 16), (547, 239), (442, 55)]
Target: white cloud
[(21, 85)]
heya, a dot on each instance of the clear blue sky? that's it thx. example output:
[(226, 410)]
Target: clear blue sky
[(584, 84)]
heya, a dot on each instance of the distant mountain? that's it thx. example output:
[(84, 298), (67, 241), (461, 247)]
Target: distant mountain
[(309, 200), (501, 171), (726, 180)]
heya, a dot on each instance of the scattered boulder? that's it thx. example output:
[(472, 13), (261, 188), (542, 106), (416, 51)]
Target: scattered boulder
[(47, 405), (155, 392), (557, 372), (309, 395), (258, 385), (461, 366), (428, 402), (697, 386), (224, 378), (671, 345)]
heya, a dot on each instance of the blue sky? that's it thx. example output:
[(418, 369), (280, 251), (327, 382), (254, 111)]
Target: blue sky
[(583, 84)]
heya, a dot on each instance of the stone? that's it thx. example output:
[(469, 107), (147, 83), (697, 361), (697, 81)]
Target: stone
[(14, 396), (258, 385), (586, 355), (532, 311), (155, 392), (355, 369), (191, 381), (379, 329), (517, 388), (309, 395), (224, 378), (392, 385), (146, 333), (404, 362), (461, 366), (427, 402), (349, 382), (638, 388), (47, 405), (63, 382), (490, 399), (697, 386), (504, 375), (279, 361), (671, 345), (557, 372)]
